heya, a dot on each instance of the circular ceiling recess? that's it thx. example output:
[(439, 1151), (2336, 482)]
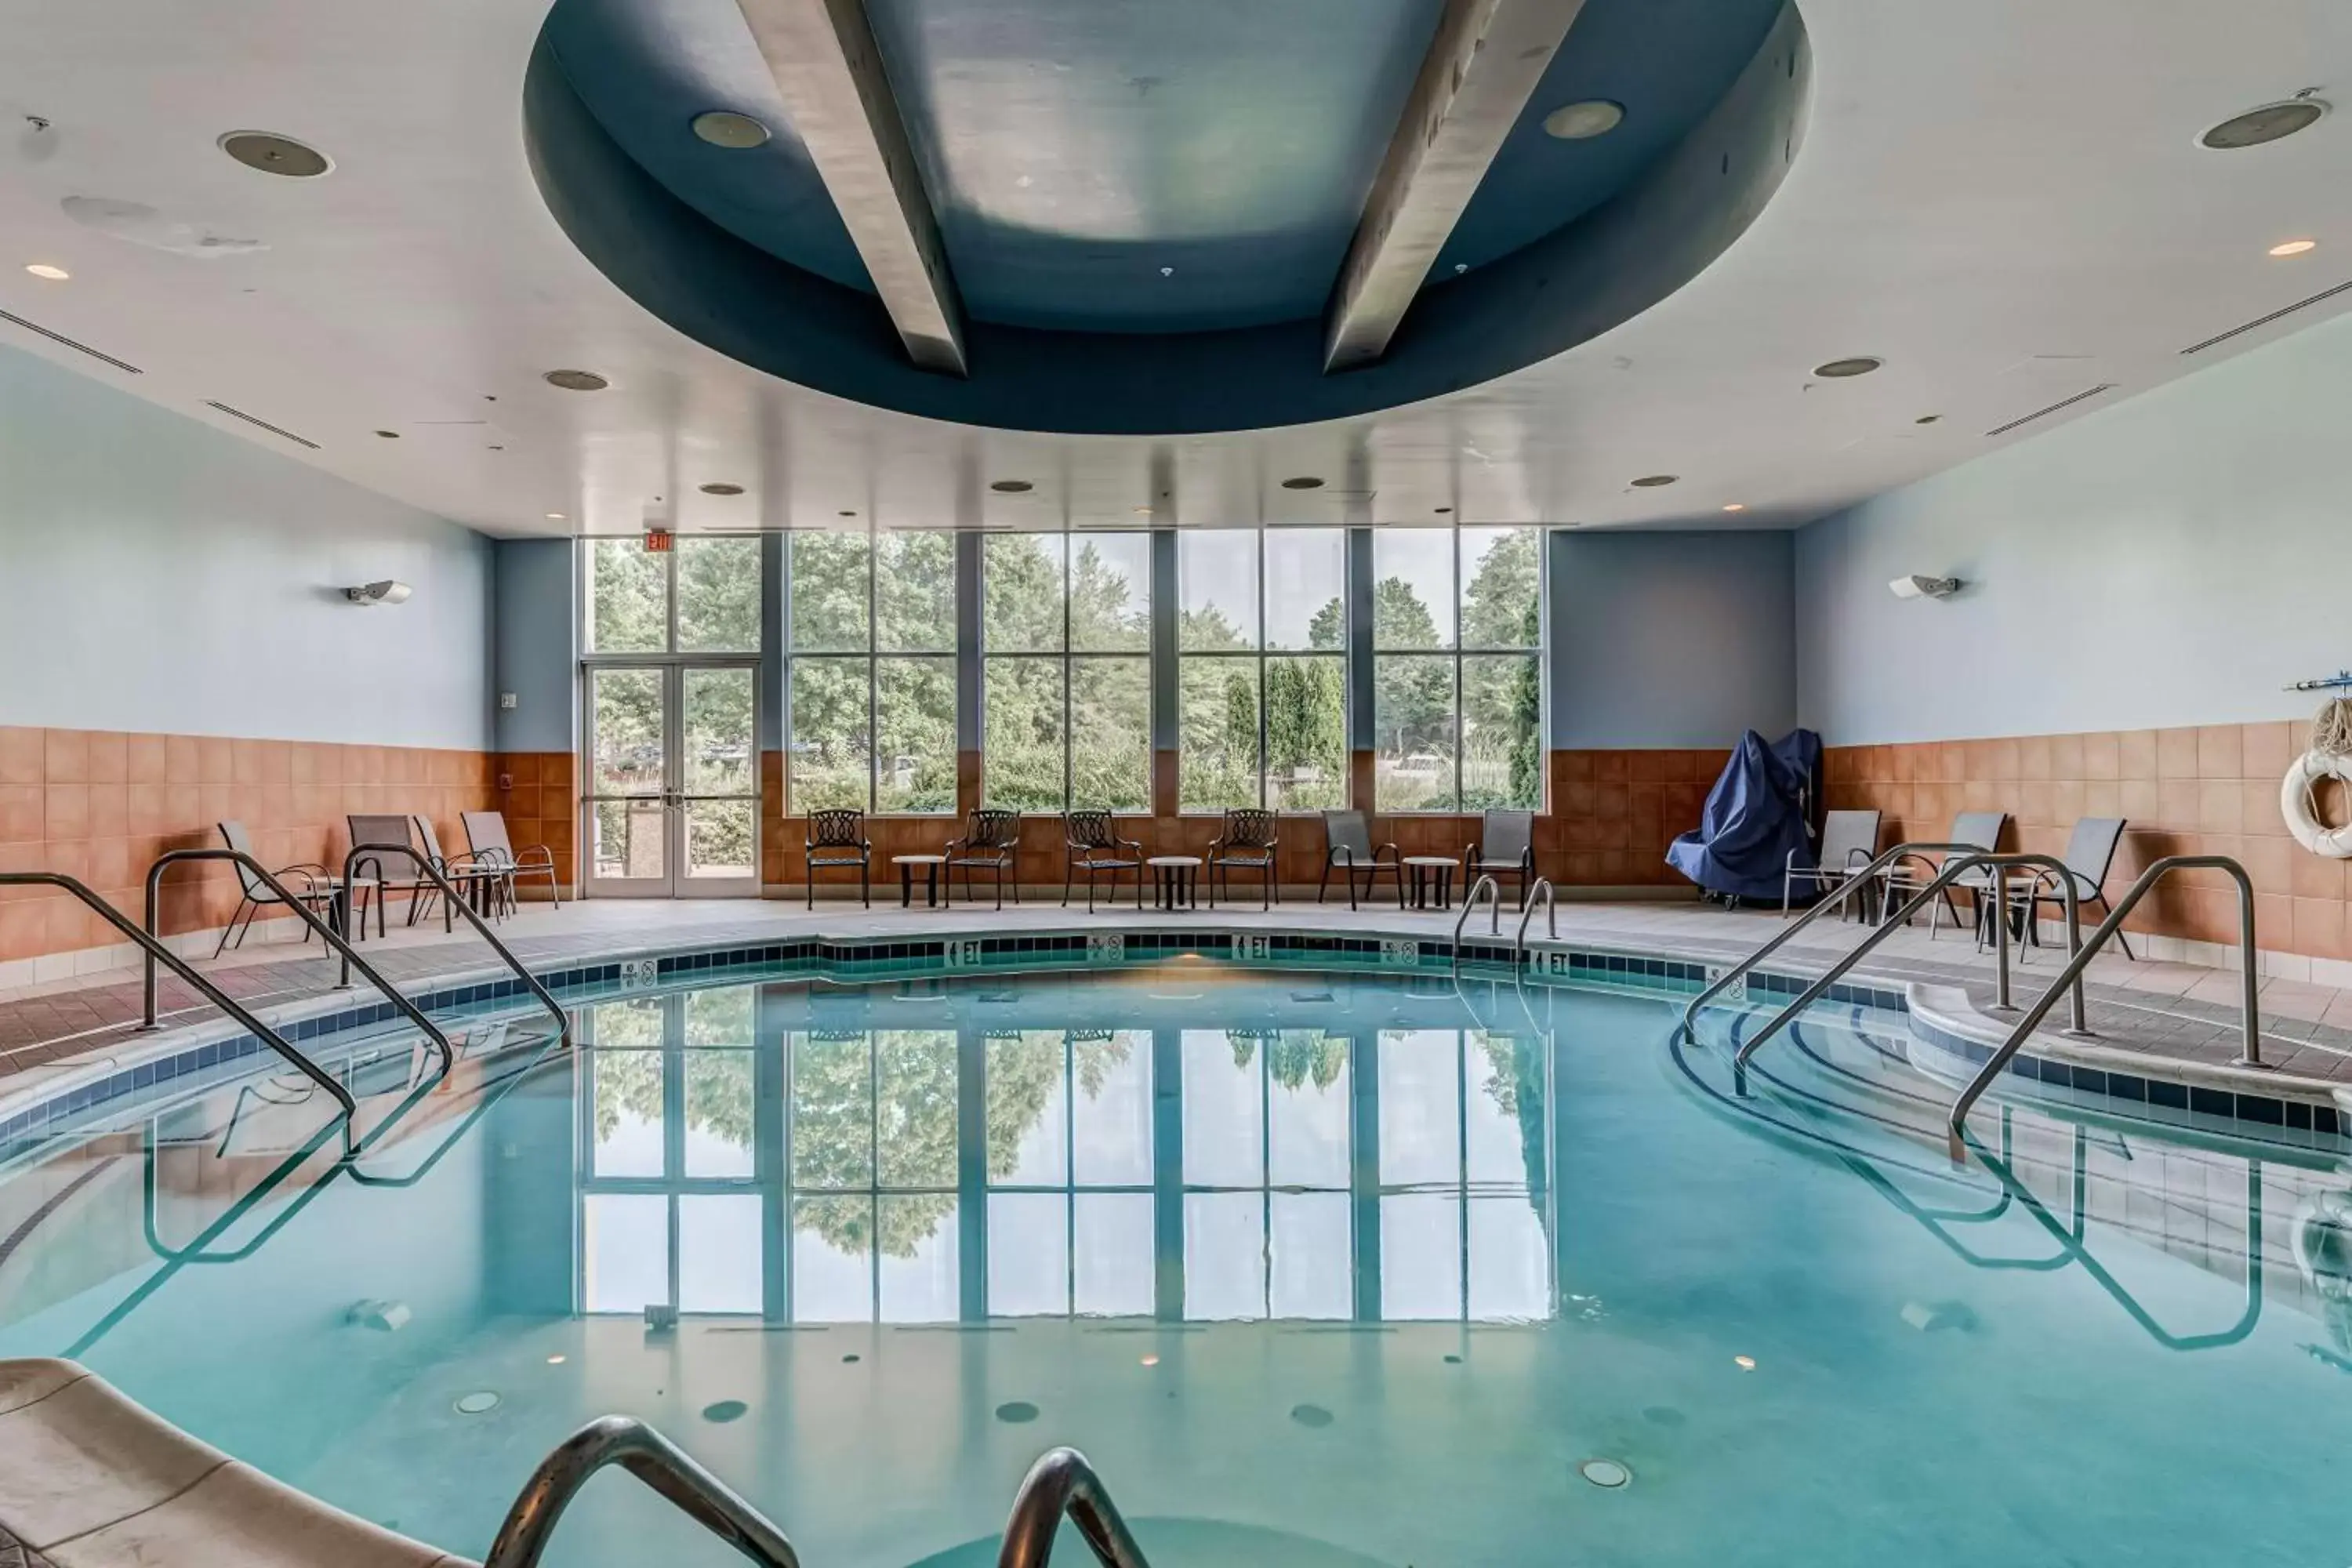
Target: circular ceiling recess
[(722, 129), (1654, 481), (1844, 369), (576, 380), (1582, 121), (721, 490), (275, 155), (1104, 253), (1303, 482), (1011, 487), (2268, 123)]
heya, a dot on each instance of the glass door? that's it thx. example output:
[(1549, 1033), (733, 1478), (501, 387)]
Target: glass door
[(673, 779)]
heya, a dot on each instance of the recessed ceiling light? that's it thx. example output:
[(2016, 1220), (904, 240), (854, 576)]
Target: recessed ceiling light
[(2266, 124), (1582, 120), (2284, 248), (723, 128), (1303, 482), (275, 155), (555, 1361), (716, 488), (1011, 487), (43, 269), (1652, 482), (1143, 511), (1838, 369), (1734, 506), (555, 517), (389, 434), (576, 380), (1167, 272)]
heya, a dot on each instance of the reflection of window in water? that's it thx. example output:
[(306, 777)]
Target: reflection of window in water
[(661, 1116), (1462, 1177), (895, 1201), (873, 1144), (1069, 1172), (1268, 1223)]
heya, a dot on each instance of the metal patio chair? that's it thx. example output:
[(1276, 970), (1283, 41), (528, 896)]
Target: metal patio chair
[(486, 835), (1248, 841), (990, 840), (1091, 844), (1348, 844), (2089, 855), (1977, 829), (312, 885), (1506, 846), (836, 841), (1849, 842)]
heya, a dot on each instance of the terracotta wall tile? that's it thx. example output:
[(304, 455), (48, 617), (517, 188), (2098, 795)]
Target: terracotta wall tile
[(2176, 753)]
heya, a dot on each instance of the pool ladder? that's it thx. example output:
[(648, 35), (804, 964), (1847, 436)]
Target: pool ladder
[(1060, 1483), (1959, 860), (1486, 885)]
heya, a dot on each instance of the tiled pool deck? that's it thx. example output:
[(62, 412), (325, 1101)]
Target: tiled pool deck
[(2183, 1012)]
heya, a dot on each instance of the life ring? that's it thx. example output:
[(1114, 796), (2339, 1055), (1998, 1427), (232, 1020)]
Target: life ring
[(2297, 805)]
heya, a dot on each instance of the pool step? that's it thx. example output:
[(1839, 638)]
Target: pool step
[(89, 1479)]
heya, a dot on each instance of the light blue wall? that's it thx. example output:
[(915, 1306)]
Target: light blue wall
[(2174, 560), (1670, 639), (538, 608), (158, 575)]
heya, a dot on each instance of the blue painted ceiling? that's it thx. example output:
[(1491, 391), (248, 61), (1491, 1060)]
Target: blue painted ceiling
[(1075, 148)]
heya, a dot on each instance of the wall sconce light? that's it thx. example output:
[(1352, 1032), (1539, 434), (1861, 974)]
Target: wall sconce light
[(1916, 587), (384, 592)]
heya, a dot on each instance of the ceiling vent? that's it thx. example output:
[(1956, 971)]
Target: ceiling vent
[(262, 424), (2266, 320), (2045, 412), (122, 365)]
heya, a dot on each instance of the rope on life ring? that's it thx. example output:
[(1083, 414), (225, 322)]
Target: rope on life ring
[(2300, 805)]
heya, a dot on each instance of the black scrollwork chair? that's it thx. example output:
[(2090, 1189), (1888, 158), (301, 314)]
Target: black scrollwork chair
[(990, 839), (1348, 844), (1248, 842), (837, 840), (1092, 844)]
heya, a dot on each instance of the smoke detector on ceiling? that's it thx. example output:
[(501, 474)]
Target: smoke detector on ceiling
[(2265, 123)]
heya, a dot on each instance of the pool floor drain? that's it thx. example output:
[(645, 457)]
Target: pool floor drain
[(476, 1404), (1311, 1416), (1016, 1411), (1607, 1474), (725, 1410)]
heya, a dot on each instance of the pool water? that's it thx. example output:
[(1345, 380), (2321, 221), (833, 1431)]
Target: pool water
[(1319, 1270)]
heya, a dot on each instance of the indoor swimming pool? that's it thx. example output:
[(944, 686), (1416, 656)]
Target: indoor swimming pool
[(1317, 1268)]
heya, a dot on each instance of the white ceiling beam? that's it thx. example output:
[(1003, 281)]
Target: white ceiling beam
[(1481, 66), (829, 70)]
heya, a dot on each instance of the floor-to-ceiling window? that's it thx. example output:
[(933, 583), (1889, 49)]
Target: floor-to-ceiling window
[(1066, 631), (873, 672), (671, 679), (1261, 634), (1456, 671)]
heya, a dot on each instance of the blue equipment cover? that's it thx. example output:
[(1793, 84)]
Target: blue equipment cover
[(1755, 817)]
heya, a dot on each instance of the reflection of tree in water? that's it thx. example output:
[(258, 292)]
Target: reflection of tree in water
[(1294, 1058), (906, 1093), (1515, 1083), (628, 1067)]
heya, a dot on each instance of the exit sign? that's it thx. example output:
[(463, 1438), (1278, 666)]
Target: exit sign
[(657, 541)]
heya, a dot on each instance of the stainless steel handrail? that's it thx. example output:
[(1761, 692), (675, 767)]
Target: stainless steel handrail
[(1061, 1483), (327, 934), (157, 953), (2251, 1025), (1485, 884), (1954, 867), (653, 1460), (1527, 913), (1853, 884), (451, 901)]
